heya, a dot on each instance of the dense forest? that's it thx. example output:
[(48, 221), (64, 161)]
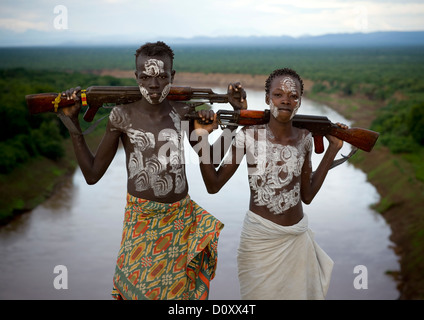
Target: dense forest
[(23, 136)]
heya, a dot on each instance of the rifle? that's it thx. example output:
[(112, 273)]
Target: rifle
[(319, 126), (96, 96)]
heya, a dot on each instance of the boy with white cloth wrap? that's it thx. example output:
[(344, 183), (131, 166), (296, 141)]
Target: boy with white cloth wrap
[(281, 262), (278, 257)]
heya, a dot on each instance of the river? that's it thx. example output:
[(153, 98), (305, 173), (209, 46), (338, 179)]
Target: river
[(80, 228)]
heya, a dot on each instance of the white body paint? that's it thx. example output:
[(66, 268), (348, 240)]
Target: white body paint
[(152, 172), (272, 183)]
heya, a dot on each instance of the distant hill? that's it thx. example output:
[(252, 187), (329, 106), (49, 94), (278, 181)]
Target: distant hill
[(413, 38), (392, 38)]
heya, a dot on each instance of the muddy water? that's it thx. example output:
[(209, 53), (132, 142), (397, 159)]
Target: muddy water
[(80, 228)]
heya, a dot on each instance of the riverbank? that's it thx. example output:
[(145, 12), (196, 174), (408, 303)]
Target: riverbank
[(401, 194), (30, 184)]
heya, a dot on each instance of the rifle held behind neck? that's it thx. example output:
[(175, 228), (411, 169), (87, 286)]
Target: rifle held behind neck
[(97, 96)]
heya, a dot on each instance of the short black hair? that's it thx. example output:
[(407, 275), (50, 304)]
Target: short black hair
[(158, 48), (283, 72)]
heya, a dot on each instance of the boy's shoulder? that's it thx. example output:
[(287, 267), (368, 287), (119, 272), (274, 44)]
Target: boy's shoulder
[(255, 127), (303, 133), (123, 108), (305, 139), (120, 117), (180, 107)]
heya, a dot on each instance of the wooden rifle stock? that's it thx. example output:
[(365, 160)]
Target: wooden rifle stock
[(319, 126), (97, 96)]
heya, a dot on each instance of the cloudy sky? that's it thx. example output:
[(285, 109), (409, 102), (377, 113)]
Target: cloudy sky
[(50, 22)]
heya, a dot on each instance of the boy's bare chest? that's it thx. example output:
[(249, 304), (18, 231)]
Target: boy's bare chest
[(156, 123), (280, 162), (155, 158), (149, 137), (145, 131)]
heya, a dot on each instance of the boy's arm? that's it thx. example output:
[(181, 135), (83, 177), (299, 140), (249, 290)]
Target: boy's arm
[(215, 179), (220, 147), (312, 181), (92, 166)]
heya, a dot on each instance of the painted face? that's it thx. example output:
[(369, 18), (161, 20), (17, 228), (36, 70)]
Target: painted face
[(154, 77), (153, 67), (284, 97)]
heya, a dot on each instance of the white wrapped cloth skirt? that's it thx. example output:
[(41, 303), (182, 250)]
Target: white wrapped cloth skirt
[(281, 262)]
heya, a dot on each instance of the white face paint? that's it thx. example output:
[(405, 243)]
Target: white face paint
[(165, 92), (145, 94), (154, 68), (288, 85), (163, 95), (273, 109)]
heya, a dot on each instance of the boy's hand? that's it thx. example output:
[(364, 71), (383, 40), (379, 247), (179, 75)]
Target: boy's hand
[(208, 121), (336, 142), (237, 103), (73, 111)]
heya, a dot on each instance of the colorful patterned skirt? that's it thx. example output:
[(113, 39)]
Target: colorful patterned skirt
[(168, 251)]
